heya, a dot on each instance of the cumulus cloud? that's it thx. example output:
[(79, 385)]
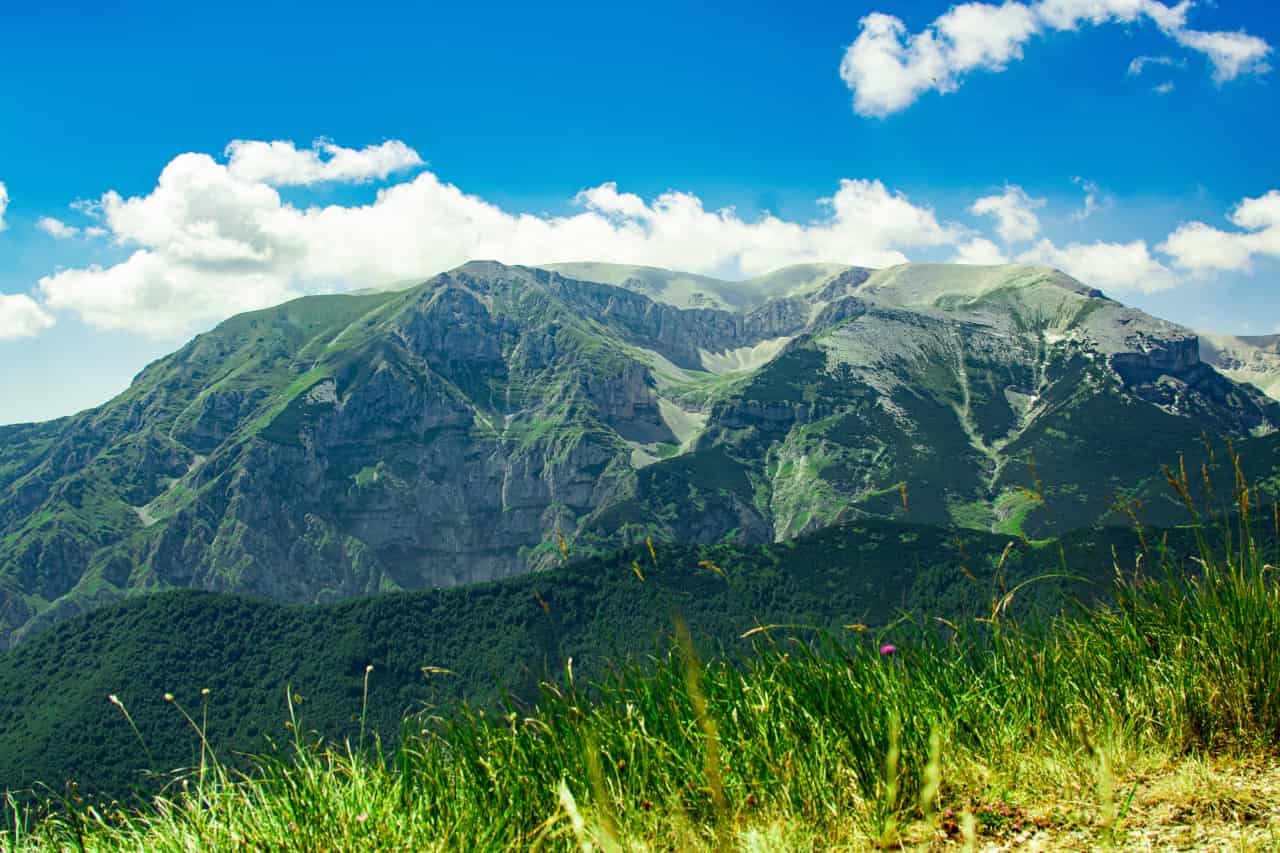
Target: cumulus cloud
[(282, 164), (56, 228), (1109, 266), (979, 251), (4, 204), (21, 317), (1014, 212), (1201, 248), (889, 68), (213, 238), (207, 242)]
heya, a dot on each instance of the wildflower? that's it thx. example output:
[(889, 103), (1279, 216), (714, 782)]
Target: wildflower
[(362, 817), (888, 649)]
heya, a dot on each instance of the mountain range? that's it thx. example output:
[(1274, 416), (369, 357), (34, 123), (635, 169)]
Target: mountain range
[(495, 420)]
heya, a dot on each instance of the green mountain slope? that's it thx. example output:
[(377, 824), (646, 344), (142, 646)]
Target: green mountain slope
[(56, 722), (453, 432)]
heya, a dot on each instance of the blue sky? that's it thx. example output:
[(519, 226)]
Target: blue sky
[(762, 108)]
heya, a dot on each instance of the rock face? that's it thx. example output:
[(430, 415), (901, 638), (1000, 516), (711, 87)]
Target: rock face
[(451, 433)]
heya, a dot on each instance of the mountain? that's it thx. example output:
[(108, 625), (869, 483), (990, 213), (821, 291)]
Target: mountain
[(481, 642), (1245, 359), (453, 432)]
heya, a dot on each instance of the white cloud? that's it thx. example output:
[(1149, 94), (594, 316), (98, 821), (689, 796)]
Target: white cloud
[(21, 317), (156, 295), (607, 200), (1140, 63), (981, 35), (1070, 14), (200, 212), (1201, 248), (1163, 88), (209, 241), (282, 164), (1109, 266), (1231, 54), (888, 68), (1094, 200), (1014, 212), (56, 228), (979, 251), (4, 204)]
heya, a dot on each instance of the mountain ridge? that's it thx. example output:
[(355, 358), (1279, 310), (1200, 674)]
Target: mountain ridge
[(451, 432)]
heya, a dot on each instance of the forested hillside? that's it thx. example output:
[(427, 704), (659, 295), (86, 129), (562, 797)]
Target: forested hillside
[(431, 649)]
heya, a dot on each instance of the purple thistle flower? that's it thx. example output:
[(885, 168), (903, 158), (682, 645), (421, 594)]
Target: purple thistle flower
[(888, 649)]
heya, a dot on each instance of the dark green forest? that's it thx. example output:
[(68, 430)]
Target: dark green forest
[(490, 643)]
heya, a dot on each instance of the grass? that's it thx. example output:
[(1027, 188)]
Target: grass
[(1151, 721)]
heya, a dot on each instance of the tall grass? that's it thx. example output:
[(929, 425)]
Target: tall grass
[(812, 740)]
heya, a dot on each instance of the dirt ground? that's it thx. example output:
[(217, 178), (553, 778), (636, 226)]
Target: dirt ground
[(1194, 806)]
